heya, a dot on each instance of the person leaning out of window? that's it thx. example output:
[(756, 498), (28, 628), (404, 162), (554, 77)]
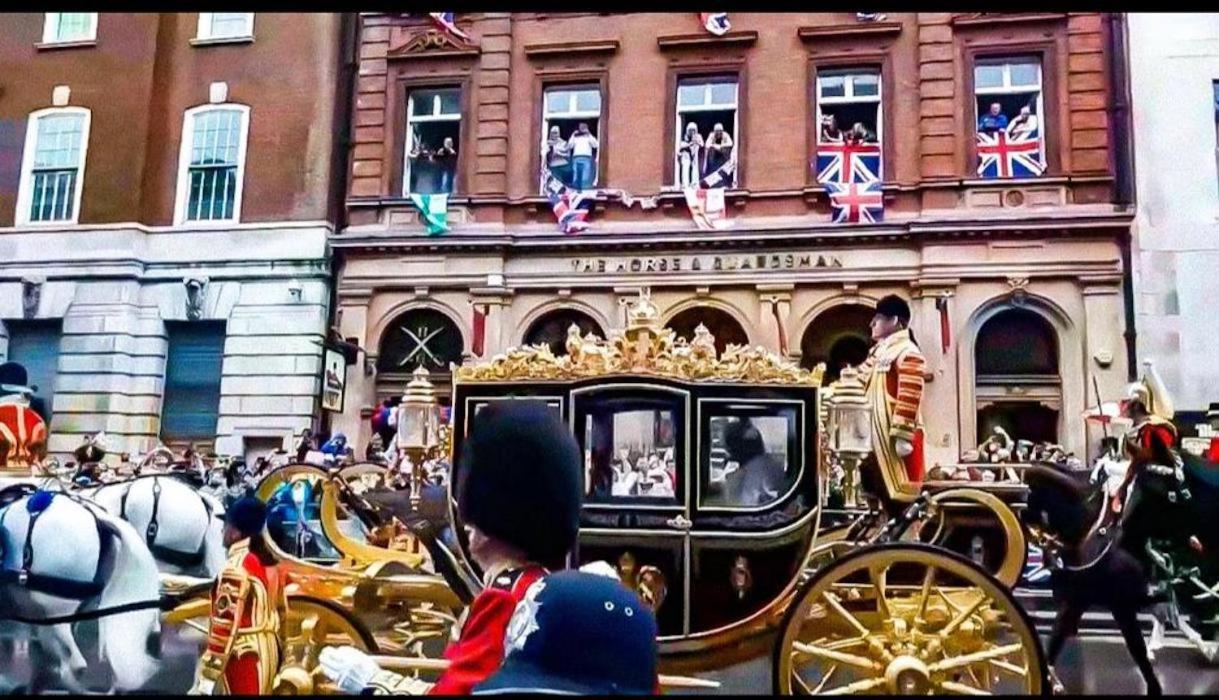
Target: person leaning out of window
[(1024, 124), (993, 121), (719, 149), (558, 156), (446, 161), (830, 133), (689, 153), (583, 146)]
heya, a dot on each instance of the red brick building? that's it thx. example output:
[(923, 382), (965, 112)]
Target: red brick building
[(1030, 262)]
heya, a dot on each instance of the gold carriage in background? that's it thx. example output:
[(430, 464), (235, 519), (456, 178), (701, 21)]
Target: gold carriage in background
[(707, 481)]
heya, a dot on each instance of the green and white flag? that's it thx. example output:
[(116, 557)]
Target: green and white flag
[(435, 211)]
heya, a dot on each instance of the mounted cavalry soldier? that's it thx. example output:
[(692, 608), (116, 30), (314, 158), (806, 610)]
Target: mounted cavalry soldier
[(242, 652), (893, 372)]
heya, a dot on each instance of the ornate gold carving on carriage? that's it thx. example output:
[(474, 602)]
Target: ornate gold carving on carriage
[(861, 604)]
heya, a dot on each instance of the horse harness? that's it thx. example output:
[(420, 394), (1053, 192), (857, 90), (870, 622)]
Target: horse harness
[(60, 586), (165, 554)]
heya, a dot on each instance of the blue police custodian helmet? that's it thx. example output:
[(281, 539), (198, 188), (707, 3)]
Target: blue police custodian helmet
[(248, 515), (578, 633)]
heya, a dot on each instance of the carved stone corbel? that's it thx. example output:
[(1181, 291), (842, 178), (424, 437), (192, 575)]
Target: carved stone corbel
[(195, 294), (31, 296)]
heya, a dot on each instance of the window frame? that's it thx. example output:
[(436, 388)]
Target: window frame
[(182, 191), (203, 31), (1215, 107), (25, 188), (591, 85), (707, 77), (408, 134), (830, 69), (1046, 54), (50, 28)]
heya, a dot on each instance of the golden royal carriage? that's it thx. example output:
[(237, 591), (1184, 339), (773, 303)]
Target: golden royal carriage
[(844, 599)]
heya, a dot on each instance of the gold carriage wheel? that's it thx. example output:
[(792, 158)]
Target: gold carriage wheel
[(310, 625), (905, 618), (1015, 554)]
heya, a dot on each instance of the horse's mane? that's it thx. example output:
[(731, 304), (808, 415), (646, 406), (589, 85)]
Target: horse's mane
[(1068, 503)]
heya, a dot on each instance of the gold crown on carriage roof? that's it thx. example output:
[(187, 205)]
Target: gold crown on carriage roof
[(646, 347)]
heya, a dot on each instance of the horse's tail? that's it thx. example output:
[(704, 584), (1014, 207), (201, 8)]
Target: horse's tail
[(123, 639)]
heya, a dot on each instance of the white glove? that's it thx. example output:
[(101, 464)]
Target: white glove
[(904, 447), (601, 568), (349, 668)]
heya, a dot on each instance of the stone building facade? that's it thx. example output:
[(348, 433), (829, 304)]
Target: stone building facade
[(1174, 84), (1031, 267), (166, 192)]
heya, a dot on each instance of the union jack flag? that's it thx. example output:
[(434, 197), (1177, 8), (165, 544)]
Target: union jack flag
[(1010, 155), (447, 22), (715, 22), (570, 206), (846, 161), (856, 202)]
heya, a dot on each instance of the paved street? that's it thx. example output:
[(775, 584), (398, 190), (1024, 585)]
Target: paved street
[(1099, 665)]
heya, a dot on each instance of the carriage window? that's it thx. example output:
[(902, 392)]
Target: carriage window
[(752, 456), (630, 451)]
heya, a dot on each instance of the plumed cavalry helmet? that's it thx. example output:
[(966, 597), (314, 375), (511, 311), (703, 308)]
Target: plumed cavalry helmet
[(1150, 391), (521, 479)]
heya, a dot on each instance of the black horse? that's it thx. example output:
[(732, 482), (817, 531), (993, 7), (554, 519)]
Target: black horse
[(1088, 568)]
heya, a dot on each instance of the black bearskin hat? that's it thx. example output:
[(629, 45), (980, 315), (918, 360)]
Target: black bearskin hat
[(248, 515), (521, 479), (893, 305)]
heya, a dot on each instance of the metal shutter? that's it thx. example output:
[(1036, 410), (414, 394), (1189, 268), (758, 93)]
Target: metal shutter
[(35, 344), (192, 381)]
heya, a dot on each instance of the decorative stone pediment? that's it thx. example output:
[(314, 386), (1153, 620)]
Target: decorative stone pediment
[(428, 43)]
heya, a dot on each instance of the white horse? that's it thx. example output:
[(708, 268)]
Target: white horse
[(80, 558), (181, 525)]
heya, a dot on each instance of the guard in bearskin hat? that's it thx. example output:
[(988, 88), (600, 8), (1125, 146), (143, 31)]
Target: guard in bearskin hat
[(520, 495), (242, 650), (893, 372)]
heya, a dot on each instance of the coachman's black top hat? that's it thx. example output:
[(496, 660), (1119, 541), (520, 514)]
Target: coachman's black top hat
[(1212, 412)]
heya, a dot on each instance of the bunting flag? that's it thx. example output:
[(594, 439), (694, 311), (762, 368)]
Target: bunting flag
[(721, 176), (941, 305), (478, 342), (571, 207), (856, 202), (774, 308), (447, 22), (715, 22), (707, 207), (434, 208), (847, 161), (870, 16)]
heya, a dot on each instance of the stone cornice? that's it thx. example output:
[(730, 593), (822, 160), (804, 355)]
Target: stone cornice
[(573, 48), (706, 41), (863, 30)]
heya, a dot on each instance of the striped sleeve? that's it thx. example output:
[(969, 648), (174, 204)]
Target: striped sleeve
[(909, 395)]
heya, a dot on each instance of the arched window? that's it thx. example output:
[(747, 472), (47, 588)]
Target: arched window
[(211, 165), (424, 337), (721, 324), (53, 166), (551, 328), (1018, 385), (838, 337)]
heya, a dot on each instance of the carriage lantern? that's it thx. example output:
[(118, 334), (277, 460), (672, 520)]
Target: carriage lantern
[(418, 427), (849, 423)]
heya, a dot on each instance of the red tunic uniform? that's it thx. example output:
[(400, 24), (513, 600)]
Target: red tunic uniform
[(242, 674), (23, 436), (1212, 454), (479, 652)]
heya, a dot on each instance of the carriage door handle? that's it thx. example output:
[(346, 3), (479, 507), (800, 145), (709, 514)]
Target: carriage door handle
[(681, 522)]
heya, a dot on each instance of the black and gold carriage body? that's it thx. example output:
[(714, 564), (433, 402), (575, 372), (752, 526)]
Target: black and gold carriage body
[(713, 563)]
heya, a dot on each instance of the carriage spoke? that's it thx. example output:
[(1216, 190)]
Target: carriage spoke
[(836, 656), (1009, 667), (962, 616), (878, 576), (836, 606), (825, 679), (973, 658), (925, 593)]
